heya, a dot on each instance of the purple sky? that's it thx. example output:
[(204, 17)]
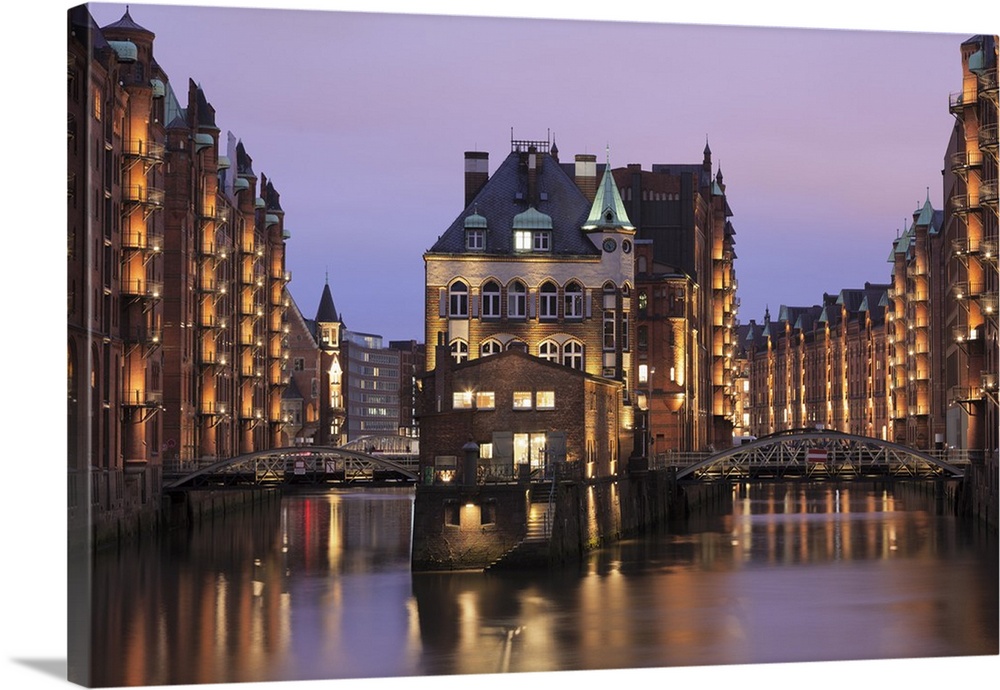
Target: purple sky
[(828, 139)]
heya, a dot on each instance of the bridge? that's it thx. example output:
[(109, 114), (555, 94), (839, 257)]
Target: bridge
[(817, 454), (371, 459)]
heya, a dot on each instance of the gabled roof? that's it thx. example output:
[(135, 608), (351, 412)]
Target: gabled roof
[(505, 196)]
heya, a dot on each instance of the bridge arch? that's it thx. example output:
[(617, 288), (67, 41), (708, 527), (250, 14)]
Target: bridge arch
[(814, 453), (305, 464)]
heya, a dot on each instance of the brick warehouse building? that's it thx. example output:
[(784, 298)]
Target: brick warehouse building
[(518, 409), (686, 304), (915, 361), (532, 263), (176, 280), (535, 260)]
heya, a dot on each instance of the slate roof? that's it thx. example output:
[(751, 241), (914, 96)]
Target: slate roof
[(558, 198), (327, 312), (126, 23)]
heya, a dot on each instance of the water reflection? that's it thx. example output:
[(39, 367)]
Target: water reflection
[(321, 588)]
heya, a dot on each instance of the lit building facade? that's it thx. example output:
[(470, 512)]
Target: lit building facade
[(686, 302), (115, 272), (969, 239), (822, 366), (533, 263), (176, 270)]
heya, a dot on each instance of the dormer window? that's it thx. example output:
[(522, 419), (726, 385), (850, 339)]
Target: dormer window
[(541, 240), (475, 240), (522, 241)]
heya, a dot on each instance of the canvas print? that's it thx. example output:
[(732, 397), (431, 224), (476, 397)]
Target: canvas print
[(436, 346)]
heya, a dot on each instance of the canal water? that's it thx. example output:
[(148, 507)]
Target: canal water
[(320, 588)]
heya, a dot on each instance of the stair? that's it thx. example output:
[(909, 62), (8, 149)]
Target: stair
[(533, 550)]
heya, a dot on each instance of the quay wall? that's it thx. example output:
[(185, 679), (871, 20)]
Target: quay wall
[(188, 507), (980, 491), (465, 528)]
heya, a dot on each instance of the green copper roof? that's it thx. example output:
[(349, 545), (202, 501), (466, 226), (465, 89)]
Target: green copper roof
[(127, 52), (976, 62), (532, 219), (926, 216), (477, 221), (607, 211)]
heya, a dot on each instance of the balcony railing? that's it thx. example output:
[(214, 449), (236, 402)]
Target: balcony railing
[(149, 240), (988, 192), (212, 408), (141, 287), (146, 150), (988, 137), (987, 302), (147, 196), (966, 159), (142, 335), (141, 398), (988, 80)]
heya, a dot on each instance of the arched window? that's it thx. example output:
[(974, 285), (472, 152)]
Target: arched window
[(516, 344), (573, 354), (459, 351), (549, 351), (573, 301), (491, 300), (517, 300), (458, 300), (490, 347), (548, 306)]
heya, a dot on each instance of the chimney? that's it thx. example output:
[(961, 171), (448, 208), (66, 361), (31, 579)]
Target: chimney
[(533, 176), (477, 171), (586, 174)]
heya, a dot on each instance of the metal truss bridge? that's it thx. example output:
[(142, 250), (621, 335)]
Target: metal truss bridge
[(371, 459), (818, 454)]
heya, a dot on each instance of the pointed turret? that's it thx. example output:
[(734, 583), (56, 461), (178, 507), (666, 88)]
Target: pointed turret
[(607, 211), (327, 321)]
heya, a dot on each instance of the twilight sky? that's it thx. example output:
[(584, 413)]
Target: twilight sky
[(828, 139)]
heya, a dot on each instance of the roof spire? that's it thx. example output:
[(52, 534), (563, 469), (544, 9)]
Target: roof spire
[(607, 211)]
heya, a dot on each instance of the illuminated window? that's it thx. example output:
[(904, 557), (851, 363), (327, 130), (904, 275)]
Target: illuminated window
[(461, 400), (490, 347), (491, 300), (643, 373), (573, 355), (549, 351), (459, 351), (522, 400), (485, 400), (522, 241), (548, 302), (573, 301), (516, 301), (458, 300), (545, 400)]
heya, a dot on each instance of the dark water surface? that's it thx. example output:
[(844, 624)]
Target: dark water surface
[(321, 588)]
